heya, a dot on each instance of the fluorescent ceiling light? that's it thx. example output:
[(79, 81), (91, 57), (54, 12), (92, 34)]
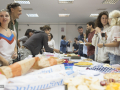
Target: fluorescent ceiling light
[(66, 1), (109, 1), (64, 15), (94, 15), (32, 15), (22, 1)]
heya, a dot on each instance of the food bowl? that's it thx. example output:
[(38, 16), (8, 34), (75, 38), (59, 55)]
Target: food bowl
[(68, 66), (116, 66)]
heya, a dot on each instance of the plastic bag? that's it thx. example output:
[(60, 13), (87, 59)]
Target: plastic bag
[(39, 82)]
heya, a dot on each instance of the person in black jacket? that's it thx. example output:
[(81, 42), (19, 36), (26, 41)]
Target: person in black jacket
[(36, 42), (75, 47)]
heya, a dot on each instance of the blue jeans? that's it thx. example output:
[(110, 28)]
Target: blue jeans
[(114, 59), (80, 53), (92, 57)]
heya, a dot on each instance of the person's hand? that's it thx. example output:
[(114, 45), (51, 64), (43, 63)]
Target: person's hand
[(75, 51), (85, 40), (80, 41), (87, 44), (106, 36), (97, 30), (100, 45), (5, 63), (69, 41), (84, 35), (56, 50), (14, 56)]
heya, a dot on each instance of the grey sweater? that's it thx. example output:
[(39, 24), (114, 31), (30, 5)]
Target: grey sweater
[(36, 42)]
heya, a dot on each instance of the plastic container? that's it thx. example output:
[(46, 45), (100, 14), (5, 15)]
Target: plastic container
[(68, 66), (116, 66)]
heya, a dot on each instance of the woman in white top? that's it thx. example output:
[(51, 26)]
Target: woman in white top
[(113, 47), (101, 26), (8, 50), (51, 42)]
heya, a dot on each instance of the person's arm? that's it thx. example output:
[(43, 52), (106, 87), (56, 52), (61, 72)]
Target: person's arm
[(88, 44), (18, 43), (69, 41), (63, 43), (95, 37), (114, 30), (53, 44), (4, 61), (14, 56), (85, 37), (77, 50), (73, 48), (23, 38), (45, 43), (85, 40), (113, 44)]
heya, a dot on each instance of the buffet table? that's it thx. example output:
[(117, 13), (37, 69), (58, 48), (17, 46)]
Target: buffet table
[(77, 68), (52, 77)]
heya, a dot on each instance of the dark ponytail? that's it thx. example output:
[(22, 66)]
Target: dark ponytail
[(63, 36), (46, 27), (12, 5), (41, 28)]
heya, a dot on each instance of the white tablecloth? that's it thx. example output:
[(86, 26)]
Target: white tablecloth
[(78, 69)]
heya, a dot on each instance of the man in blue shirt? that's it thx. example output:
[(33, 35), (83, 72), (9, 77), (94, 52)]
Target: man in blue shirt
[(80, 38)]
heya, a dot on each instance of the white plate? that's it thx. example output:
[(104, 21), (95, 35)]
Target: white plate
[(82, 43), (89, 72), (83, 65), (67, 58)]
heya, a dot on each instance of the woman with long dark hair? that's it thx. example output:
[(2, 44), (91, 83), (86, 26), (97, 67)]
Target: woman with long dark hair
[(101, 26), (113, 47)]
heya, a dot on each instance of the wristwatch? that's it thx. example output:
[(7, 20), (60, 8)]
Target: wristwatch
[(103, 44)]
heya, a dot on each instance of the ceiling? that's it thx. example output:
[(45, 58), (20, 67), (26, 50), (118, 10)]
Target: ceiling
[(48, 10)]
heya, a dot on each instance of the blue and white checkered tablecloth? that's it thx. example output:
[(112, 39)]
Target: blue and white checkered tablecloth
[(103, 69)]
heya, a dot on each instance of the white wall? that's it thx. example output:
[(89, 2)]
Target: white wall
[(69, 30), (72, 32)]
